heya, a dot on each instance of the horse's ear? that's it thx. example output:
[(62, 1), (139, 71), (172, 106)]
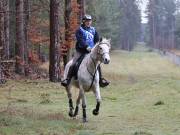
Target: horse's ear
[(109, 41)]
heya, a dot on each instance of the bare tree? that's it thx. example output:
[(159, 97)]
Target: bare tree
[(54, 66)]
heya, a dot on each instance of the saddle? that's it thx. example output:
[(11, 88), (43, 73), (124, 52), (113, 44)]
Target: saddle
[(77, 65)]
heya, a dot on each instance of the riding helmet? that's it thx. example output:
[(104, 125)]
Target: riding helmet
[(87, 17)]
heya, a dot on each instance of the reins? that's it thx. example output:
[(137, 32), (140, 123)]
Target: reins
[(93, 75)]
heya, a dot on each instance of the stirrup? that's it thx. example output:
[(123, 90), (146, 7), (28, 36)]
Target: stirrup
[(103, 82)]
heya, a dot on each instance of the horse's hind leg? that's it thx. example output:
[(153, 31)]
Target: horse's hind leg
[(77, 104), (69, 94)]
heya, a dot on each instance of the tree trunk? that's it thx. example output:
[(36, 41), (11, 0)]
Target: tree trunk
[(2, 40), (20, 37), (54, 66), (6, 30), (12, 29), (1, 76), (68, 31), (81, 13), (154, 26), (2, 79), (172, 33), (26, 26), (1, 24)]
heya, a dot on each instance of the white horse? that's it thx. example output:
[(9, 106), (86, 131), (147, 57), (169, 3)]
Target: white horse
[(88, 77)]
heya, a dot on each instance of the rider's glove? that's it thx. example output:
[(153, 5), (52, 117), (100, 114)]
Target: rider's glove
[(88, 49)]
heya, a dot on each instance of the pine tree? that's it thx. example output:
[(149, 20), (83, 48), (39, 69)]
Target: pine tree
[(21, 50), (130, 22), (54, 66), (6, 29), (162, 23), (2, 37)]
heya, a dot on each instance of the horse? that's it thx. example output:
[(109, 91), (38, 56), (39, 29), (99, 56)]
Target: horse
[(88, 77)]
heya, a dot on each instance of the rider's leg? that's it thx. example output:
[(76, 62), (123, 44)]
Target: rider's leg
[(70, 74), (102, 82), (67, 81)]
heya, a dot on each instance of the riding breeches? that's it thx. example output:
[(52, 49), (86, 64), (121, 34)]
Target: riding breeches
[(77, 55)]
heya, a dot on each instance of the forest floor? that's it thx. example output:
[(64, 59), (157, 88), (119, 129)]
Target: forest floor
[(143, 99)]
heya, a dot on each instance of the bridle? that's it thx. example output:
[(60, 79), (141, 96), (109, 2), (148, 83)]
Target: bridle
[(99, 50)]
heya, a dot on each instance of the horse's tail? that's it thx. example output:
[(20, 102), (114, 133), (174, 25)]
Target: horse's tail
[(67, 69)]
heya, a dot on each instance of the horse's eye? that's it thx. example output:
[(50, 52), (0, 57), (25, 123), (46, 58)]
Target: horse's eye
[(100, 48)]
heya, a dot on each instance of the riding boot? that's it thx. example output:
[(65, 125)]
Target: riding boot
[(67, 81), (102, 82)]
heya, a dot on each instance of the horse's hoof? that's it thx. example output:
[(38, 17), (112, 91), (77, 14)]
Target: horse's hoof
[(76, 111), (85, 120), (74, 115), (95, 112), (71, 114)]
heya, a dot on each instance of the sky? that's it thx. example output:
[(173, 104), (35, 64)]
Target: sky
[(143, 8)]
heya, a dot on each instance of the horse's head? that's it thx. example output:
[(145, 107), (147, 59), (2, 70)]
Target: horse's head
[(102, 49)]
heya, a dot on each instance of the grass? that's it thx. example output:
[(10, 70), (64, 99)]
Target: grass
[(143, 99)]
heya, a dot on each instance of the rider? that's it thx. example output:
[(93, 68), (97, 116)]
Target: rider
[(87, 37)]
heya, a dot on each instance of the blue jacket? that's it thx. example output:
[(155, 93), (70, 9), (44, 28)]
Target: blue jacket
[(86, 37)]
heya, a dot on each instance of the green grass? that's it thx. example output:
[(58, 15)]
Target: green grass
[(143, 99)]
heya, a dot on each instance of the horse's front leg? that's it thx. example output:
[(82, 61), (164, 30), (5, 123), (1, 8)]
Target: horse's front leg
[(71, 108), (83, 104), (98, 99), (96, 110)]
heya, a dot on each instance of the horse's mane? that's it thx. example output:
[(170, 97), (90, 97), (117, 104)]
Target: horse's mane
[(102, 40)]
